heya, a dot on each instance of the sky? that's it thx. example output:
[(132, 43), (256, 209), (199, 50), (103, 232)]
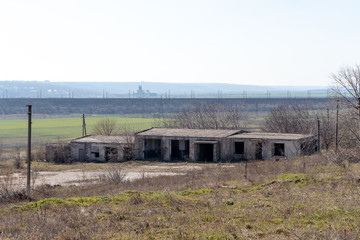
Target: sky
[(257, 42)]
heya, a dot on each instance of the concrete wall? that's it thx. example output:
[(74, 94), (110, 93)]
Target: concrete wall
[(223, 150), (291, 148), (90, 151)]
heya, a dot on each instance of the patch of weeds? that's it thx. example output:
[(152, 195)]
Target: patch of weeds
[(85, 201), (229, 203), (39, 204), (299, 179), (217, 237), (296, 178), (252, 188), (197, 192), (276, 220)]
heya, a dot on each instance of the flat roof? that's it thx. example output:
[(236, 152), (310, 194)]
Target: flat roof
[(181, 132), (268, 135), (104, 139)]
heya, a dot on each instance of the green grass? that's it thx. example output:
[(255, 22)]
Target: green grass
[(14, 132)]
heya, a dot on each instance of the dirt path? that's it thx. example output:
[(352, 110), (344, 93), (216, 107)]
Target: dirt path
[(77, 177)]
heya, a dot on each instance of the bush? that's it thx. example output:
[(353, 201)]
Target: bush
[(114, 175)]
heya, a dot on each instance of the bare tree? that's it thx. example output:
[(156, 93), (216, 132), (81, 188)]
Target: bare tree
[(290, 118), (210, 116), (107, 126), (128, 147), (327, 122), (347, 87)]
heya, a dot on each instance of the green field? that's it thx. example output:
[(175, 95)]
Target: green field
[(14, 132)]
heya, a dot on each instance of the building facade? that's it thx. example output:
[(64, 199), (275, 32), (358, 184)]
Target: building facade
[(102, 148), (198, 145), (207, 145)]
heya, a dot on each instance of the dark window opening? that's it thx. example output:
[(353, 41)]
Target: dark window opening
[(111, 154), (279, 149), (239, 147), (96, 154)]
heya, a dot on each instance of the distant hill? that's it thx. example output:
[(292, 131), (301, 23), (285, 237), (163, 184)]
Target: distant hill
[(48, 89)]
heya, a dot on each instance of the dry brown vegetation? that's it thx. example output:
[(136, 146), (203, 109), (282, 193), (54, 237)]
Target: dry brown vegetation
[(303, 198)]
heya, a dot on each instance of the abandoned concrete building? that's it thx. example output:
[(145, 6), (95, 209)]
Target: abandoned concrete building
[(102, 148), (201, 145), (205, 145)]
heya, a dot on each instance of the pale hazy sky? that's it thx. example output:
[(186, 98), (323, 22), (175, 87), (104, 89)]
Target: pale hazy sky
[(261, 42)]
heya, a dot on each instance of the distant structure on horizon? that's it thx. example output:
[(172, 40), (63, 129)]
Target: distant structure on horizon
[(140, 93)]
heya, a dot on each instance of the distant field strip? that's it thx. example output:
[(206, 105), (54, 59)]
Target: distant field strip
[(13, 132)]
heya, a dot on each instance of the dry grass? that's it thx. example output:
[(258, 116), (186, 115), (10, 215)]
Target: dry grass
[(303, 198)]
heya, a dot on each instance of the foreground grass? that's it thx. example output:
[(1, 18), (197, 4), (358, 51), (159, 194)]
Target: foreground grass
[(305, 198)]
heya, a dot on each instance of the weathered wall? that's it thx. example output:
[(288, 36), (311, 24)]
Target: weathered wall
[(91, 148), (292, 148)]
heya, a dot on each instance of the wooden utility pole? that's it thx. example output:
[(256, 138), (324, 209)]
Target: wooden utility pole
[(318, 133), (337, 127), (83, 126), (28, 151)]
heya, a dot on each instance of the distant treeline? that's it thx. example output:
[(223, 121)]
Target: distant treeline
[(142, 106)]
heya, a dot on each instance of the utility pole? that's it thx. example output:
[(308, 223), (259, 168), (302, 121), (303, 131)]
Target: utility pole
[(337, 127), (318, 133), (83, 126), (28, 151)]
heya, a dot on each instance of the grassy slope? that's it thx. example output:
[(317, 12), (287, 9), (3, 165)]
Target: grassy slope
[(45, 130), (308, 198)]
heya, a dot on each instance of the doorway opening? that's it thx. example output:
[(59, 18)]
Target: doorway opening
[(175, 150), (279, 149), (206, 152), (258, 151)]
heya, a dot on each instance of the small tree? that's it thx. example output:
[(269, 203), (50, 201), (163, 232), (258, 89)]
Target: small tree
[(347, 87), (128, 146), (290, 118), (327, 123), (107, 126)]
